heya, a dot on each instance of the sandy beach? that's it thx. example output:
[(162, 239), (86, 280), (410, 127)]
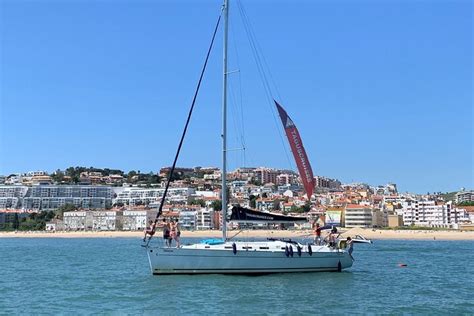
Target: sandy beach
[(368, 233)]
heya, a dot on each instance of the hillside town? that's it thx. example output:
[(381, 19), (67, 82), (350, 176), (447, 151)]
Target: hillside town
[(81, 199)]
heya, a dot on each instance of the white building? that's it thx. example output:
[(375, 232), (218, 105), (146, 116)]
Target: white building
[(187, 219), (77, 220), (107, 220), (14, 179), (205, 218), (93, 220), (51, 197), (358, 216), (11, 196), (141, 196), (429, 214), (464, 196), (137, 219)]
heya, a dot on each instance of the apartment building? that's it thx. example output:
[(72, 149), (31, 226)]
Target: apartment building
[(323, 182), (77, 220), (429, 213), (357, 216), (11, 196), (188, 219), (267, 175), (137, 219), (465, 196), (141, 196), (205, 219), (51, 197), (93, 220)]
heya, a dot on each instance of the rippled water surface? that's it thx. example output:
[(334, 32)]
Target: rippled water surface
[(112, 276)]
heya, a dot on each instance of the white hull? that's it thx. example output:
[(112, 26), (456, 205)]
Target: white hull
[(249, 258)]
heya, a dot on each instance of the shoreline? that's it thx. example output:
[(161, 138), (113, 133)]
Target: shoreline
[(374, 234)]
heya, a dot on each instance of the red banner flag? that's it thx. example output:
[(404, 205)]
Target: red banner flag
[(302, 162)]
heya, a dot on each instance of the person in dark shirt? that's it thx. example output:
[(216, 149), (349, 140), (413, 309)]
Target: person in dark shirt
[(150, 230), (317, 234), (166, 233)]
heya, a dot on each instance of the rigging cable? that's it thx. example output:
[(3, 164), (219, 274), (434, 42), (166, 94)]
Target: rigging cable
[(240, 103), (258, 56), (160, 210)]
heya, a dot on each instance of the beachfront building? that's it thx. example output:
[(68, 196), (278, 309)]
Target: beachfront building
[(395, 220), (137, 219), (144, 196), (188, 219), (52, 197), (205, 218), (77, 220), (358, 216), (429, 213), (107, 220), (93, 220)]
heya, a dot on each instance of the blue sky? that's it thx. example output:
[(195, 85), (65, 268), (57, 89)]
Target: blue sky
[(380, 90)]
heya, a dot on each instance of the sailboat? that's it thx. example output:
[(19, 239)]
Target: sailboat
[(226, 256)]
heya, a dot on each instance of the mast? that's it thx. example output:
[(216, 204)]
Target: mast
[(224, 124)]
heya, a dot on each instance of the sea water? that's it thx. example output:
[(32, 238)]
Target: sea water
[(112, 276)]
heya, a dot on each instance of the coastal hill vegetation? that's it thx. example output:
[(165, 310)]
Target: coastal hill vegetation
[(72, 175)]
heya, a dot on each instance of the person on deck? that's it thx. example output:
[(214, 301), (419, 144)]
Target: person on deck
[(178, 232), (317, 234), (350, 245), (166, 232), (332, 237), (173, 232), (150, 230)]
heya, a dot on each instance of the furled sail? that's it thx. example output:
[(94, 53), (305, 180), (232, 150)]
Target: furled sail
[(302, 162), (242, 214)]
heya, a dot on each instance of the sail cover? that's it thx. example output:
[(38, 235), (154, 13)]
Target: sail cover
[(302, 162), (242, 214)]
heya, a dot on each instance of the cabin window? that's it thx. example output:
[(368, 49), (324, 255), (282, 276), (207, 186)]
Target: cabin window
[(264, 248), (207, 247)]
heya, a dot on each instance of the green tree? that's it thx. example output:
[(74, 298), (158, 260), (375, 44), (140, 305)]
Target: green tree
[(306, 207), (466, 203), (58, 176), (253, 201), (130, 175), (216, 205), (200, 202)]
